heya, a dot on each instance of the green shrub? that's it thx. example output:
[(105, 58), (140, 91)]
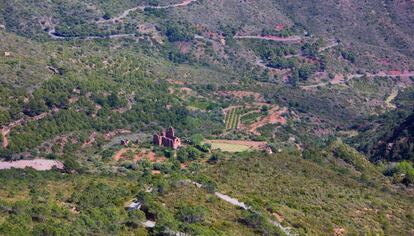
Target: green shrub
[(191, 214)]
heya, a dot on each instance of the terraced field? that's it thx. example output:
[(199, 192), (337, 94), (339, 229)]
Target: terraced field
[(233, 118), (250, 118)]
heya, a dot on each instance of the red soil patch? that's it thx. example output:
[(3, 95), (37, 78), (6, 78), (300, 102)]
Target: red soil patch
[(395, 72), (274, 117), (285, 78), (278, 216), (4, 132), (92, 139), (185, 89), (119, 155), (143, 154), (338, 79), (279, 27), (5, 142), (150, 155), (140, 156), (184, 47), (339, 231), (385, 62), (171, 81)]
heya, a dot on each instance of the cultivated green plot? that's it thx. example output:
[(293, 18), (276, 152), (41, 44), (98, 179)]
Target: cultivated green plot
[(233, 118), (250, 118)]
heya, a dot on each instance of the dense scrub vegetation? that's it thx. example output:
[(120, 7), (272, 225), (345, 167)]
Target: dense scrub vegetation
[(75, 99), (291, 186), (390, 135), (284, 184)]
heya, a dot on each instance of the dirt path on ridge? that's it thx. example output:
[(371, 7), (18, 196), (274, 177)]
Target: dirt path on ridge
[(5, 131), (270, 38), (52, 31), (142, 8), (341, 79)]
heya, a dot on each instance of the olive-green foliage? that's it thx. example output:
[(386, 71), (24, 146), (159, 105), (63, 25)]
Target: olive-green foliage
[(295, 188), (260, 223), (178, 31), (46, 208), (98, 195), (191, 214), (389, 136), (188, 154), (402, 171), (232, 118), (136, 217), (74, 100)]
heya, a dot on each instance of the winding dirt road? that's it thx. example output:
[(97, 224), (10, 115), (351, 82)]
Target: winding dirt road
[(391, 74), (236, 202), (332, 44), (5, 131), (261, 64), (142, 8), (52, 32), (270, 38)]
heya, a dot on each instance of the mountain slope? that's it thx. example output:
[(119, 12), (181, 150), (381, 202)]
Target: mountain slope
[(260, 93), (397, 144)]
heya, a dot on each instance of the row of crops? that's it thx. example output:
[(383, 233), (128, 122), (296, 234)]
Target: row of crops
[(244, 115), (250, 118), (232, 118)]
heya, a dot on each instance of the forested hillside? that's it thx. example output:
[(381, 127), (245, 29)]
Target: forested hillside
[(285, 114), (399, 143)]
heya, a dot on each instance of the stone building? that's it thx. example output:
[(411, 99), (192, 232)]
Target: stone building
[(167, 139)]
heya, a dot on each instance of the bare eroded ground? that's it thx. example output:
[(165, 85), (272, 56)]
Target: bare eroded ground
[(38, 164)]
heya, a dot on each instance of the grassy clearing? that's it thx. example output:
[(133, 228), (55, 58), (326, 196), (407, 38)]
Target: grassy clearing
[(236, 145), (227, 147), (391, 98)]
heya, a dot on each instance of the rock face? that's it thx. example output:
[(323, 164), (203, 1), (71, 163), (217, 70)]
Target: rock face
[(167, 139)]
